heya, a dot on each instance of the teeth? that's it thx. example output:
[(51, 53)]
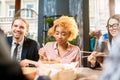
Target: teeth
[(17, 32)]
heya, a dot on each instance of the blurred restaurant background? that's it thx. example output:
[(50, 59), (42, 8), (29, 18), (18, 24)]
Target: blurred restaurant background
[(89, 14)]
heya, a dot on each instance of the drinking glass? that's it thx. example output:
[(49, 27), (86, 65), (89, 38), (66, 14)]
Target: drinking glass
[(102, 49)]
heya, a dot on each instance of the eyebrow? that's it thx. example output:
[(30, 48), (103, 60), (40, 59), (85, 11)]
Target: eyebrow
[(113, 23)]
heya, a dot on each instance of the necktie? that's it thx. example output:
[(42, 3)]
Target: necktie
[(15, 51)]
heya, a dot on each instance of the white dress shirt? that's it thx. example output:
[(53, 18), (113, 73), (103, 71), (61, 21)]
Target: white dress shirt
[(19, 51)]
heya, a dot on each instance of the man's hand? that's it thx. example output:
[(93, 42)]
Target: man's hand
[(92, 58)]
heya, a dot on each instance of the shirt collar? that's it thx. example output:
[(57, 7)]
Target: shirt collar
[(20, 43), (68, 49), (55, 45)]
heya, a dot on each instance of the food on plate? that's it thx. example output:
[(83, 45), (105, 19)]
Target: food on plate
[(50, 61)]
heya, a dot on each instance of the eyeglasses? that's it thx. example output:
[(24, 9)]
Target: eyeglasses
[(113, 26)]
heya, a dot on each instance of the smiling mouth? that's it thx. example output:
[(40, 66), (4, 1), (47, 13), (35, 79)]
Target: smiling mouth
[(17, 33)]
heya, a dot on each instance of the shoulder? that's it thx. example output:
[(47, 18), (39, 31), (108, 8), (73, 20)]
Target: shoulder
[(9, 40), (74, 47), (92, 39), (74, 50), (51, 43), (30, 41)]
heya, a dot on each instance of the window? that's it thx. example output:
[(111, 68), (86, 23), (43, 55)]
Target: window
[(29, 12), (11, 10), (98, 13)]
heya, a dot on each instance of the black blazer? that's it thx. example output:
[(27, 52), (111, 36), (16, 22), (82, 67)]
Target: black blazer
[(29, 50)]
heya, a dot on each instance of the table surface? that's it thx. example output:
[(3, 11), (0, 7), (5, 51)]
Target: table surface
[(29, 72), (85, 71), (88, 72)]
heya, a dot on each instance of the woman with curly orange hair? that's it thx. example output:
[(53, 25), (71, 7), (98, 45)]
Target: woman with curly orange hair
[(63, 30)]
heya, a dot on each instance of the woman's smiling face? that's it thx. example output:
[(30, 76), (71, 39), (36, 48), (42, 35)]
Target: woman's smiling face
[(113, 27)]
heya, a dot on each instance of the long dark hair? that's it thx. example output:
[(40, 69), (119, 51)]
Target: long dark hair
[(117, 17)]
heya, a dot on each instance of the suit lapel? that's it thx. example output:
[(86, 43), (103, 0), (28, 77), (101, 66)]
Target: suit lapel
[(25, 49), (9, 40)]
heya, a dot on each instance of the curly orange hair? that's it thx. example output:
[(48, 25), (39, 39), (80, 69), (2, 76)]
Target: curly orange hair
[(68, 23)]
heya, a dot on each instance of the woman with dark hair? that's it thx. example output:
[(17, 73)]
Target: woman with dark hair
[(112, 64), (111, 70)]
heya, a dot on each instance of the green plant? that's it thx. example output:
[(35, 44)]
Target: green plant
[(48, 39), (74, 42), (49, 20), (51, 39)]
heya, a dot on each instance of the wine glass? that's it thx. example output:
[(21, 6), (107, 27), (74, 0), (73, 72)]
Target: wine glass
[(102, 49)]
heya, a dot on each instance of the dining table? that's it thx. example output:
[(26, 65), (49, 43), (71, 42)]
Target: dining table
[(83, 73), (29, 72), (86, 73)]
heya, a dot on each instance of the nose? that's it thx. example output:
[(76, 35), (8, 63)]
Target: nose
[(59, 35)]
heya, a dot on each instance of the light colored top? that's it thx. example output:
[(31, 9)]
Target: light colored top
[(19, 50), (112, 62), (72, 54)]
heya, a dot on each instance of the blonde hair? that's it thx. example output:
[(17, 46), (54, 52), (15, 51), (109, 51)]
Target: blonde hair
[(68, 23), (92, 33), (24, 20), (96, 33)]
